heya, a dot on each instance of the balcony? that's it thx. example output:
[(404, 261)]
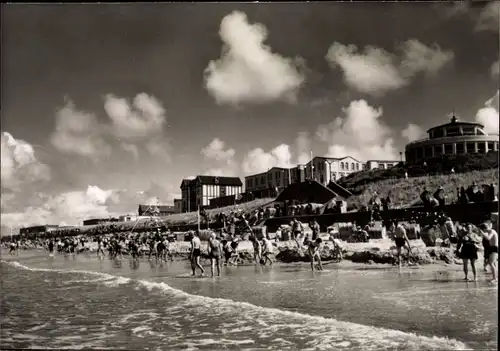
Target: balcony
[(459, 138)]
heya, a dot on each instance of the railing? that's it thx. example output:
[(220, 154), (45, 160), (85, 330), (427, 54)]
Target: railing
[(447, 138)]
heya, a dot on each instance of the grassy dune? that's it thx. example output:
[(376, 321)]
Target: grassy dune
[(182, 219), (191, 217), (405, 192)]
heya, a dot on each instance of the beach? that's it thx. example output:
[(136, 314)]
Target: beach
[(85, 302)]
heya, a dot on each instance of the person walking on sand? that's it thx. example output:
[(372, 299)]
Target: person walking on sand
[(401, 239), (268, 250), (314, 253), (467, 250), (491, 235), (196, 253), (214, 252)]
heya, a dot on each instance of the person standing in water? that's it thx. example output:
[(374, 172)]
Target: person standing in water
[(467, 250), (314, 253), (491, 235), (268, 250), (214, 252), (196, 253), (257, 249), (401, 240)]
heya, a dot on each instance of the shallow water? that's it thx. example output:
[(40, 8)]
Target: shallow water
[(83, 302)]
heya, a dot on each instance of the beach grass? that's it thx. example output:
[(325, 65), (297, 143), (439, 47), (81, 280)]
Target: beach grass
[(405, 192)]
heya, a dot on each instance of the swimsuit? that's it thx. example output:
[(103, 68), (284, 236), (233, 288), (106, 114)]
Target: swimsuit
[(400, 242)]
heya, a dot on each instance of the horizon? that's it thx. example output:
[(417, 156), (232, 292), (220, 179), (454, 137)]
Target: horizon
[(108, 106)]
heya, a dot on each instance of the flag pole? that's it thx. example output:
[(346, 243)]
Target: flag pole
[(312, 166)]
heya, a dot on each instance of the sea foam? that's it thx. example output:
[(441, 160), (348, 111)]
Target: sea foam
[(322, 333)]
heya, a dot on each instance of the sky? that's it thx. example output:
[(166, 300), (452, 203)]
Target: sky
[(106, 106)]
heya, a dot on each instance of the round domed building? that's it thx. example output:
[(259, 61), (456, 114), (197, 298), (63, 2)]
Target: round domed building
[(452, 138)]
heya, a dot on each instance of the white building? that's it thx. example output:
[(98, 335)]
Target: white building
[(326, 169), (380, 164)]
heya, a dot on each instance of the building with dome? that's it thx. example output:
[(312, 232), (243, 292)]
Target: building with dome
[(452, 138)]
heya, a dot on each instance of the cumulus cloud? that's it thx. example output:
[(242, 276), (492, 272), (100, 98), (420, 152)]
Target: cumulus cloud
[(489, 116), (359, 133), (72, 207), (145, 116), (140, 122), (375, 71), (248, 71), (216, 150), (19, 164), (258, 160), (69, 207), (418, 57), (371, 72), (220, 157), (303, 147), (78, 132), (413, 132), (489, 19)]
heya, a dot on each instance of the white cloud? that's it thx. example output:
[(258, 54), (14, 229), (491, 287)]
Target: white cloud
[(132, 149), (216, 150), (495, 68), (303, 147), (69, 207), (19, 164), (73, 207), (489, 116), (413, 132), (257, 160), (489, 18), (145, 116), (418, 57), (371, 72), (359, 134), (143, 122), (221, 158), (376, 71), (248, 71), (78, 132)]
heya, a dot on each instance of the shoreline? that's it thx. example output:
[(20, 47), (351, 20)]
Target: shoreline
[(376, 253)]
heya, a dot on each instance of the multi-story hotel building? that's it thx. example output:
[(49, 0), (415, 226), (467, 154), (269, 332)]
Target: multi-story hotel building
[(327, 169), (199, 191), (275, 178), (452, 138)]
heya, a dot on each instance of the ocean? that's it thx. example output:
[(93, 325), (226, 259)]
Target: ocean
[(66, 302)]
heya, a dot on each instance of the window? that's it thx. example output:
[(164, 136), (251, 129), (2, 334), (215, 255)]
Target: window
[(342, 165), (389, 165), (481, 148), (352, 166), (438, 150), (471, 147), (468, 131), (428, 151), (491, 146), (460, 147), (357, 166), (453, 131), (438, 133), (448, 149), (420, 152)]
